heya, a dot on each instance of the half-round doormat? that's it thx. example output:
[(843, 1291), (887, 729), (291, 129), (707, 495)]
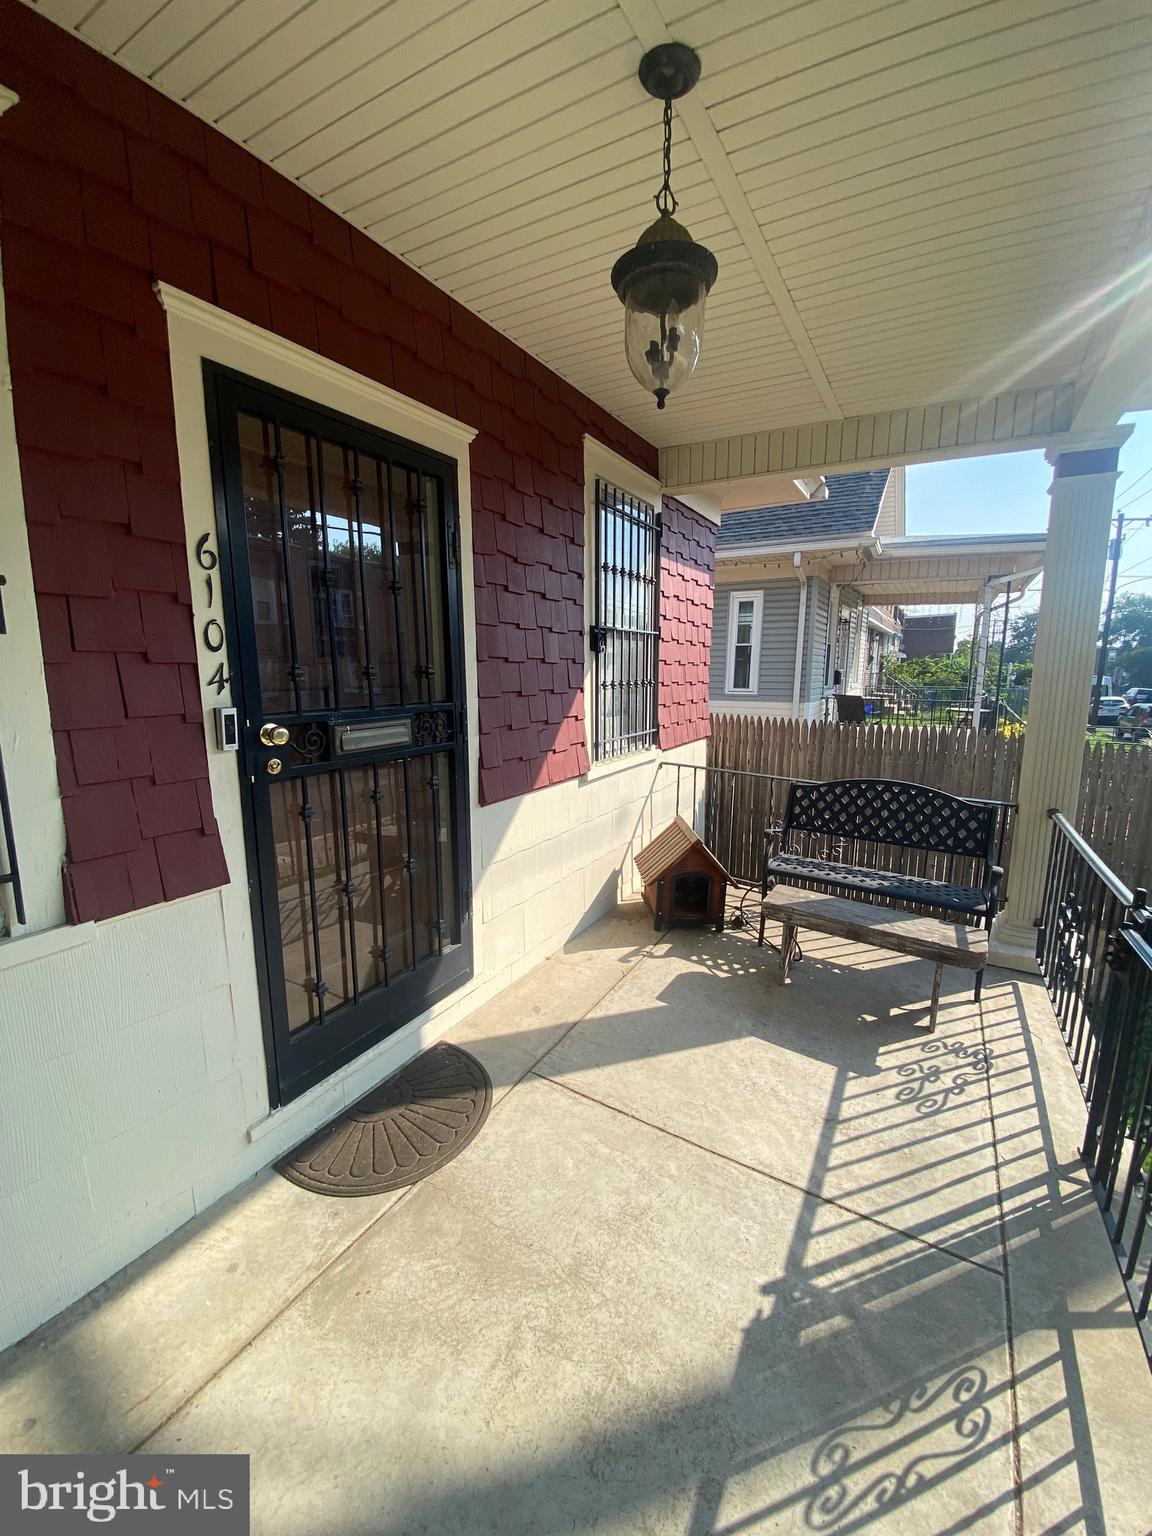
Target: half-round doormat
[(400, 1132)]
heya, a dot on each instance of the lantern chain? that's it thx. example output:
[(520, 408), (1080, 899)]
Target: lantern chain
[(665, 199)]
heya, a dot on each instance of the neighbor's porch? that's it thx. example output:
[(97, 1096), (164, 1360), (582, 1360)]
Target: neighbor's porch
[(841, 597), (727, 1257)]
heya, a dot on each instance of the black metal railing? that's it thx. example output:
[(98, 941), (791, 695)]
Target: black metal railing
[(1094, 947), (908, 703), (730, 809)]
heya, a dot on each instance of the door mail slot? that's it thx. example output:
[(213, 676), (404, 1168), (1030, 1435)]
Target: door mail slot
[(366, 738)]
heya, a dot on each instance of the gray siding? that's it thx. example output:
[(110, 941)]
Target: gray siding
[(819, 597), (777, 641)]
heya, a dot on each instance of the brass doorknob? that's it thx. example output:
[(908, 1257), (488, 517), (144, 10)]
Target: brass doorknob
[(273, 765), (274, 735)]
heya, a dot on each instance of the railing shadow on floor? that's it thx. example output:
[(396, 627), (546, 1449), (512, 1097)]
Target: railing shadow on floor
[(848, 1291), (846, 1464)]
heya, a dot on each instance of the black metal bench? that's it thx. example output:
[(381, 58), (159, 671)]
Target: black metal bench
[(943, 830)]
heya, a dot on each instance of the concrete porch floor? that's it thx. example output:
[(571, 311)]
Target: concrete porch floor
[(726, 1258)]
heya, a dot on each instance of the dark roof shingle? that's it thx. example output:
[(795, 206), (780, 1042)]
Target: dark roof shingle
[(851, 509)]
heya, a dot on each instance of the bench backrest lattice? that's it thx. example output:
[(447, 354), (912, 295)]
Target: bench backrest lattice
[(886, 811)]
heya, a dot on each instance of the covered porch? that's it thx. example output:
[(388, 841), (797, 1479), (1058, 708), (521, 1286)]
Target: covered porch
[(727, 1257)]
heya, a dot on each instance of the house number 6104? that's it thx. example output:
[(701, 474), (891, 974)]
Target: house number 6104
[(212, 633)]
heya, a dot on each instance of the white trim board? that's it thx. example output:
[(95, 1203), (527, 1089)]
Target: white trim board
[(25, 719), (407, 417), (601, 460), (198, 332)]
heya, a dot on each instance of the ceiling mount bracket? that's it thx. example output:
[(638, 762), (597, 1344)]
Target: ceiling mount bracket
[(669, 71)]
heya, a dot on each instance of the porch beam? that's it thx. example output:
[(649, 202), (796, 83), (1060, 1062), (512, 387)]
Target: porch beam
[(1079, 524), (1125, 371), (955, 429)]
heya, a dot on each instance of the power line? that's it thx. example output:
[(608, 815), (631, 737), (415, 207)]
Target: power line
[(1136, 482), (1133, 500)]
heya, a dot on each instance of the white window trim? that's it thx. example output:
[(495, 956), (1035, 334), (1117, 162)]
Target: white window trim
[(25, 721), (603, 463), (734, 599)]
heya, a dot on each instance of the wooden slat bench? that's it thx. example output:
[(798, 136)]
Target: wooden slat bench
[(905, 933)]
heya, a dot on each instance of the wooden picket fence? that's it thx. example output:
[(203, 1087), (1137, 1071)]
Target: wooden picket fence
[(1115, 812)]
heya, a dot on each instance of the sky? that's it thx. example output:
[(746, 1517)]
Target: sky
[(1008, 493)]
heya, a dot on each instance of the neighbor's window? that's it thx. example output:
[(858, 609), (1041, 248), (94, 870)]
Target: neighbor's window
[(743, 669), (626, 630)]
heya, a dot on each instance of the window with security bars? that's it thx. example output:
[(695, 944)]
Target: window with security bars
[(625, 635)]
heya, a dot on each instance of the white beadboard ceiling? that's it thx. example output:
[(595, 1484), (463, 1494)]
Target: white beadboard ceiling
[(910, 201)]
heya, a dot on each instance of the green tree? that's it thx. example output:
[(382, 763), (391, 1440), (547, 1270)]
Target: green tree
[(1021, 645), (948, 671), (1136, 668), (1132, 622), (941, 671)]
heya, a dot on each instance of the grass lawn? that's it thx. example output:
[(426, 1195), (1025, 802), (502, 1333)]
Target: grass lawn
[(1108, 738)]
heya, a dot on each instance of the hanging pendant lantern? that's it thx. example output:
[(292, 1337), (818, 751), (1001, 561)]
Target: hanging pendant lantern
[(664, 280)]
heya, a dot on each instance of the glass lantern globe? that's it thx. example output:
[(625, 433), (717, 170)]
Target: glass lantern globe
[(663, 283)]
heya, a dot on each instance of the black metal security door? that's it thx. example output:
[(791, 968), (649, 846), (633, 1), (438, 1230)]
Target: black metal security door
[(348, 671)]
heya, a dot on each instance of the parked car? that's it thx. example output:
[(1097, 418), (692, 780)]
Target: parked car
[(1110, 706), (1134, 722)]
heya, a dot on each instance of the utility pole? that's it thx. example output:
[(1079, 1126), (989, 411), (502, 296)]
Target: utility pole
[(1106, 626)]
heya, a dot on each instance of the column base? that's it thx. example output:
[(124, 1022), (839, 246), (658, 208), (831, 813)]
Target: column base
[(1013, 946)]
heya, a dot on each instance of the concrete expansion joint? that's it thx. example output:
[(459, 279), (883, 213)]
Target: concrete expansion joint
[(1006, 1282), (369, 1226), (285, 1306), (774, 1178), (645, 954)]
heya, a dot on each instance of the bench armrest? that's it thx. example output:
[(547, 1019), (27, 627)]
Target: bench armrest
[(773, 833)]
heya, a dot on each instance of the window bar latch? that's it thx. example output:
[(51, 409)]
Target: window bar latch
[(597, 638)]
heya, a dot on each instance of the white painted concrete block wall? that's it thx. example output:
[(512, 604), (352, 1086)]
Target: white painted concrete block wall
[(132, 1077)]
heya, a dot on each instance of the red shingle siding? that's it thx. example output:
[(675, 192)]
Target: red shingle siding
[(106, 186), (687, 562)]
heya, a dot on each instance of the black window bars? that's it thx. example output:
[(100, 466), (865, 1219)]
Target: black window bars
[(624, 639)]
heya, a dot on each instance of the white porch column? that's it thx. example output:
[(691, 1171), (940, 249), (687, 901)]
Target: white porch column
[(1079, 525), (801, 621), (983, 627)]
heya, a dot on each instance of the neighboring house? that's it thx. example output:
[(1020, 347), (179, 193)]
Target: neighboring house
[(810, 594), (785, 634), (929, 634)]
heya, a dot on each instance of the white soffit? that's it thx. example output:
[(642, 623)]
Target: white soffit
[(910, 202)]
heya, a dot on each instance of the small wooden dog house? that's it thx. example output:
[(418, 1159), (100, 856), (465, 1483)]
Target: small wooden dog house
[(683, 882)]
